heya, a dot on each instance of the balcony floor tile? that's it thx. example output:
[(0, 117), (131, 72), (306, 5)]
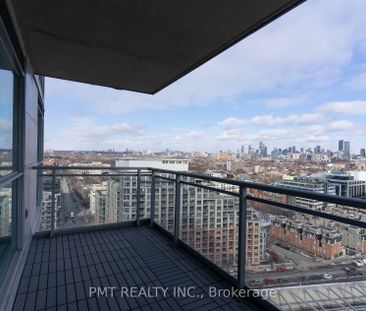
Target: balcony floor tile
[(59, 272)]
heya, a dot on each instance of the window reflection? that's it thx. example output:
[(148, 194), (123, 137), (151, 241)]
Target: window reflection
[(6, 116), (5, 222)]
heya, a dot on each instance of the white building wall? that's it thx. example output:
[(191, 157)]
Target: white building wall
[(167, 164)]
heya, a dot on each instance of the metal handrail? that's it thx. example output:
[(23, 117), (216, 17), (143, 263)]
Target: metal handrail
[(242, 193), (251, 185)]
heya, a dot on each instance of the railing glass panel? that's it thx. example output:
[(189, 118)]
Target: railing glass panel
[(165, 202), (297, 249), (209, 223), (93, 197)]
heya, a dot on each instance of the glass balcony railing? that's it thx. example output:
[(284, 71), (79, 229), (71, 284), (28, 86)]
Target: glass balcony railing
[(72, 198), (255, 235)]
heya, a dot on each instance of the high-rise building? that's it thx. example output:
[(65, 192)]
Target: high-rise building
[(208, 220), (263, 150), (363, 152), (5, 212), (242, 149), (347, 150), (46, 214), (98, 203), (249, 149), (341, 145)]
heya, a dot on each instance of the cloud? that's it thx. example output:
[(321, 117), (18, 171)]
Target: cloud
[(231, 134), (355, 107), (232, 122), (343, 126), (270, 120), (277, 134), (86, 131), (193, 134), (282, 102)]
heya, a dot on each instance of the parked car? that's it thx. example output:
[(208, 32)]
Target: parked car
[(270, 281), (327, 276), (256, 282), (281, 269), (364, 261), (358, 263)]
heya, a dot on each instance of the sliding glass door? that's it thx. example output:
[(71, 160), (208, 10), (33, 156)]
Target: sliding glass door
[(8, 160)]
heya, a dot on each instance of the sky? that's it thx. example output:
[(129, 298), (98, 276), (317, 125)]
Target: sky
[(299, 81)]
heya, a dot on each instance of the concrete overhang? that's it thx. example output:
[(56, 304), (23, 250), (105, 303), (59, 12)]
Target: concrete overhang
[(138, 45)]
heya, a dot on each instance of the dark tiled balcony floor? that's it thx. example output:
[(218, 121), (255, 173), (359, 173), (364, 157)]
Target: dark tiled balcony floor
[(60, 271)]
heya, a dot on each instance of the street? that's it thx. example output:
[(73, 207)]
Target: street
[(71, 203)]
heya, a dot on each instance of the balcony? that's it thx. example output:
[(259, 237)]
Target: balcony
[(148, 243), (59, 273)]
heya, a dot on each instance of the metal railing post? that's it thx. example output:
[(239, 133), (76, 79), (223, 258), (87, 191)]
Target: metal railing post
[(138, 197), (53, 202), (177, 207), (242, 236), (152, 198)]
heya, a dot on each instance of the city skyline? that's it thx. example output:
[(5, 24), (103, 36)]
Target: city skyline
[(289, 83), (242, 149)]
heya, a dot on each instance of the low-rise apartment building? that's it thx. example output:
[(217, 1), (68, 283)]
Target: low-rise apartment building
[(317, 241)]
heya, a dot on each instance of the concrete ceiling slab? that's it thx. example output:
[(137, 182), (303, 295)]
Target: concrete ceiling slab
[(138, 45)]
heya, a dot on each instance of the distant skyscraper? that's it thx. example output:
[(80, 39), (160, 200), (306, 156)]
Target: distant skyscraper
[(242, 149), (263, 150), (341, 145), (347, 150), (363, 152), (317, 150)]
